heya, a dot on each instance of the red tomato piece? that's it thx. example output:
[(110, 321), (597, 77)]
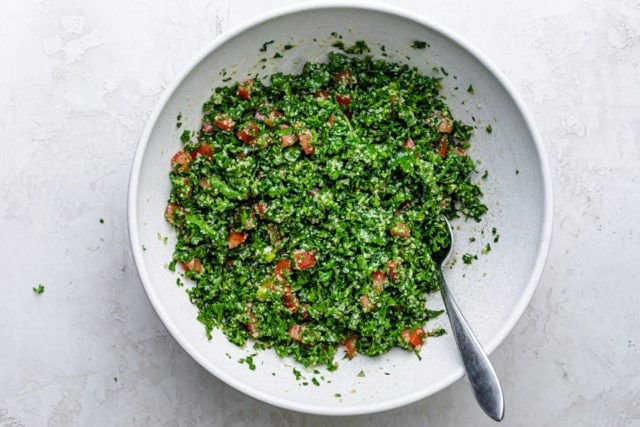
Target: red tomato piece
[(193, 264), (235, 239), (378, 277), (180, 161), (249, 133), (244, 90), (365, 301), (415, 338), (392, 270), (443, 147), (322, 94), (400, 229), (169, 212), (223, 122), (304, 259), (203, 150), (282, 265), (350, 346), (290, 299), (305, 138), (409, 144), (343, 100), (295, 332), (252, 324)]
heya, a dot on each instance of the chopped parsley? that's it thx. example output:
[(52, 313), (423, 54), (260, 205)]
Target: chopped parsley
[(467, 258), (417, 44), (38, 289), (307, 210), (265, 45)]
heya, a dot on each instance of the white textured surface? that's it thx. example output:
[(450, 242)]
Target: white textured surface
[(77, 83)]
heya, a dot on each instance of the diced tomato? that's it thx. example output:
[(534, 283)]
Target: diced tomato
[(343, 77), (288, 139), (460, 151), (415, 338), (204, 182), (304, 310), (252, 324), (180, 161), (392, 270), (193, 264), (445, 125), (305, 138), (406, 335), (170, 210), (400, 229), (441, 123), (207, 128), (259, 208), (343, 100), (203, 150), (350, 346), (282, 265), (223, 122), (378, 277), (409, 144), (290, 299), (235, 239), (244, 90), (330, 121), (295, 332), (443, 147), (322, 94), (249, 133), (365, 301), (304, 259)]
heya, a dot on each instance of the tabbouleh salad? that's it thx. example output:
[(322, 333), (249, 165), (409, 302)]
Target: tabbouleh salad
[(308, 205)]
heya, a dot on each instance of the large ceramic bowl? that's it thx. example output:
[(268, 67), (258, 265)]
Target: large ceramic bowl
[(493, 291)]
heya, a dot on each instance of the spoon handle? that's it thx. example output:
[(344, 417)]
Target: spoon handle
[(482, 376)]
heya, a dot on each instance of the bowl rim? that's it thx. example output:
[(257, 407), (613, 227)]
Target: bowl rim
[(365, 408)]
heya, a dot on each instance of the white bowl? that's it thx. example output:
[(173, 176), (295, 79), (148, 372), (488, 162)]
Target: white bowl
[(492, 292)]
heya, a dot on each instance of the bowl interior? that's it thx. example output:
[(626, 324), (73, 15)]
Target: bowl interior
[(492, 291)]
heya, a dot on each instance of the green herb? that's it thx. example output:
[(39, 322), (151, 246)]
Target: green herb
[(249, 361), (288, 46), (467, 258), (314, 213), (314, 381), (438, 332), (38, 289), (277, 55), (361, 374), (489, 129), (297, 374), (101, 221), (486, 249), (115, 379), (265, 45), (470, 89), (417, 44)]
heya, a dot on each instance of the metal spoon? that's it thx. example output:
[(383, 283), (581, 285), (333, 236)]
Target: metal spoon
[(483, 378)]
